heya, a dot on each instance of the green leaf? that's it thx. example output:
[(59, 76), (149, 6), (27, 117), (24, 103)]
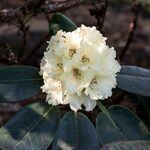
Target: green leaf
[(134, 80), (129, 125), (61, 22), (142, 106), (108, 115), (130, 145), (19, 82), (76, 132), (33, 128)]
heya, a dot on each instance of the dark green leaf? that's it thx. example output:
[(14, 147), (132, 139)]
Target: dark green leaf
[(18, 82), (134, 80), (130, 126), (33, 128), (108, 115), (130, 145), (61, 22), (142, 107), (76, 132)]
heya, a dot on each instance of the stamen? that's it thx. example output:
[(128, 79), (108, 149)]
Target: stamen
[(60, 65), (72, 51), (94, 81), (76, 73), (85, 59)]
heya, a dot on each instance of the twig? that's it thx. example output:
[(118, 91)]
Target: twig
[(51, 9), (104, 14), (7, 15), (58, 7), (9, 58), (100, 13), (133, 26), (34, 6), (47, 36), (24, 31)]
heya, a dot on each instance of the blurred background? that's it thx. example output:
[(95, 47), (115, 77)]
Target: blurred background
[(126, 24)]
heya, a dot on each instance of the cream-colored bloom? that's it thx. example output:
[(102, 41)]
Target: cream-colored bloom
[(78, 68)]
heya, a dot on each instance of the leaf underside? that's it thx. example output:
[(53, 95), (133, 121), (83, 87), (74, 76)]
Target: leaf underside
[(134, 80)]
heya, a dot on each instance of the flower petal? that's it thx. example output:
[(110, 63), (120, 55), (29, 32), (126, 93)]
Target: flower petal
[(88, 103), (101, 89)]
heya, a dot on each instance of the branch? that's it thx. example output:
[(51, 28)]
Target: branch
[(7, 15), (52, 8), (35, 6), (24, 31), (104, 14), (99, 13), (133, 26), (37, 47), (9, 58)]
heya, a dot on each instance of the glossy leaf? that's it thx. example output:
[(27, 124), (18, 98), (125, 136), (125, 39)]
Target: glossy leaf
[(61, 22), (134, 80), (19, 82), (129, 125), (130, 145), (76, 132), (33, 128)]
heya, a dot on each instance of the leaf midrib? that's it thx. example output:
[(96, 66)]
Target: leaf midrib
[(134, 76), (27, 134), (20, 80)]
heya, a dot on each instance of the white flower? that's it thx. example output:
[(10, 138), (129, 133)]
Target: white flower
[(76, 102), (78, 68)]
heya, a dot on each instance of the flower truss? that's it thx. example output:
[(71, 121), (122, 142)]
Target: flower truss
[(78, 68)]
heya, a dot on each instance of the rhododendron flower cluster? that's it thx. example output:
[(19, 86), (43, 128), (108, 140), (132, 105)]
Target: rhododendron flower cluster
[(78, 68)]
